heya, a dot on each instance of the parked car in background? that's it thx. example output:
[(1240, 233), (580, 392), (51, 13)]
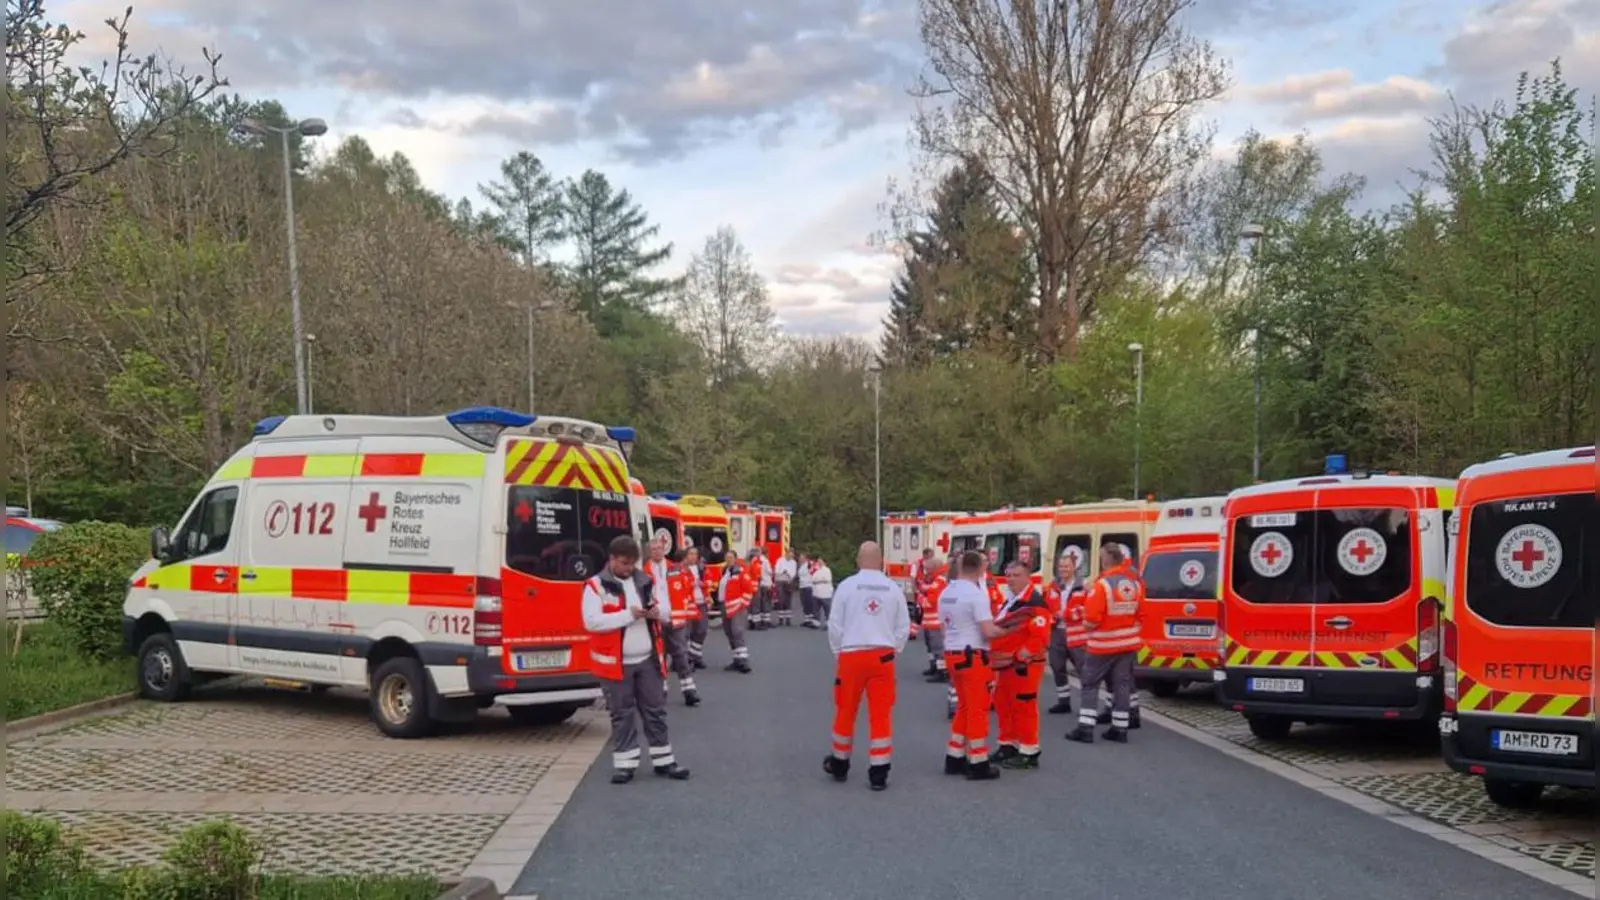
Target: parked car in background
[(22, 531)]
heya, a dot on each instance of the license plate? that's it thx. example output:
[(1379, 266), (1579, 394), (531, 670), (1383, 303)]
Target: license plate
[(532, 660), (1272, 520), (1534, 742), (1278, 685), (1191, 630)]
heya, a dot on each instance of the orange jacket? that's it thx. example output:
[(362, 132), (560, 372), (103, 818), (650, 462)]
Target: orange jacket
[(605, 647), (740, 589), (680, 591), (1111, 612), (1032, 613), (1072, 608), (928, 599)]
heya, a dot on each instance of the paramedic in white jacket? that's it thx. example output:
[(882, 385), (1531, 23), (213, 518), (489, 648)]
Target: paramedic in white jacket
[(867, 628), (822, 588), (808, 601)]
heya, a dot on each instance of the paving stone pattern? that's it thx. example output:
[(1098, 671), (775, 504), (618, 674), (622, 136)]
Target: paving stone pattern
[(1401, 766), (308, 775)]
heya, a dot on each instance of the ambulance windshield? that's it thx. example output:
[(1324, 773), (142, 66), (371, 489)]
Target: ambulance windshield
[(562, 534), (1531, 562), (711, 539), (1181, 575), (1324, 556)]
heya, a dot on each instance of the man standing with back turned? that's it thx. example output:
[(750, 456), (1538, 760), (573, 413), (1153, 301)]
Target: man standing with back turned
[(1112, 616), (624, 620), (867, 627), (968, 620)]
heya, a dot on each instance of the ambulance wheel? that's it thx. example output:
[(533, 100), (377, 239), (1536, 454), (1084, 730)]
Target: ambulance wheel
[(1270, 728), (1166, 690), (399, 698), (163, 675), (544, 714), (1513, 794)]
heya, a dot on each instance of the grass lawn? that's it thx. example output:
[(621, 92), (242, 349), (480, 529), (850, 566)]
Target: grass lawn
[(47, 673), (108, 887)]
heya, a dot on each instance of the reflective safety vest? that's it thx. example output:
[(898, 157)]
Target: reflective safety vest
[(680, 590), (1033, 613), (736, 590), (605, 647), (1072, 616), (928, 599), (1112, 612)]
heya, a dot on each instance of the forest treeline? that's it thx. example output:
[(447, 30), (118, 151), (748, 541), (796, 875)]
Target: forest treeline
[(149, 323)]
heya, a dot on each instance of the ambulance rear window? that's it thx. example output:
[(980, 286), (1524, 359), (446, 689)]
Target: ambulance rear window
[(562, 534), (711, 539), (663, 527), (1531, 562), (1363, 555), (1270, 557), (1181, 575)]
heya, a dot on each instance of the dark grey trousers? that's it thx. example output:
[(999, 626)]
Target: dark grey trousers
[(1058, 665), (639, 696), (699, 630), (1116, 672), (678, 656), (733, 627)]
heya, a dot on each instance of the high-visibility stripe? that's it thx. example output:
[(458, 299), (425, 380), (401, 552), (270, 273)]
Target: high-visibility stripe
[(1150, 660), (348, 465), (542, 463), (233, 470), (1473, 696), (365, 586), (1402, 658), (333, 465)]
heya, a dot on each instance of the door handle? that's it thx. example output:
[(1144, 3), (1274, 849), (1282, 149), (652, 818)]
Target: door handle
[(248, 575), (219, 575)]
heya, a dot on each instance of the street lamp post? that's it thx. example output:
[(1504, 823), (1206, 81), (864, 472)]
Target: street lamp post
[(304, 128), (1254, 233), (311, 374), (1138, 412), (876, 371), (530, 309)]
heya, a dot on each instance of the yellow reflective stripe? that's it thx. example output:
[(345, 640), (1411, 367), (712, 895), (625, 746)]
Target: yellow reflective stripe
[(270, 581), (172, 578), (234, 469), (1433, 588), (388, 588), (1296, 659), (331, 465), (1145, 654), (457, 465), (1398, 660), (1510, 703), (1447, 497), (1476, 697), (1238, 656), (1559, 705)]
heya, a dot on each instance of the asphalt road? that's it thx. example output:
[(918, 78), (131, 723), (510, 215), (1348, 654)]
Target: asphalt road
[(1161, 817)]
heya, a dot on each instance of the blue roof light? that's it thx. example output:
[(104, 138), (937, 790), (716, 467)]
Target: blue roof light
[(724, 499), (490, 415), (1336, 464), (622, 434), (921, 513), (670, 495), (269, 425)]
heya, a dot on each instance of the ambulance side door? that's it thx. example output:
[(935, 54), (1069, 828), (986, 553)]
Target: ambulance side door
[(200, 578)]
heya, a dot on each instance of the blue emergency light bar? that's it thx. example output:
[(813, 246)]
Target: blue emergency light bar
[(269, 425), (724, 499), (622, 434), (489, 415), (922, 512), (670, 495), (1336, 464)]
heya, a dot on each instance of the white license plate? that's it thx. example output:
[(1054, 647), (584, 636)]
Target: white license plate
[(1534, 742), (1191, 630), (1278, 685), (1272, 520), (533, 660)]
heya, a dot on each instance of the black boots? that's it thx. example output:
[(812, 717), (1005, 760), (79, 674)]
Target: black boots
[(983, 771), (1004, 752), (1021, 761), (1133, 718), (838, 768), (955, 765), (691, 698), (699, 663), (738, 665), (621, 776), (673, 771), (878, 777), (1061, 708), (1116, 735), (937, 676), (1083, 734)]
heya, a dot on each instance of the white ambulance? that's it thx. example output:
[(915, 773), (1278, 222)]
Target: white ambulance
[(437, 561)]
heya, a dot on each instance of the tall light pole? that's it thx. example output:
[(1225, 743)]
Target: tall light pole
[(304, 128), (1254, 233), (1138, 411), (876, 373), (311, 374), (530, 309)]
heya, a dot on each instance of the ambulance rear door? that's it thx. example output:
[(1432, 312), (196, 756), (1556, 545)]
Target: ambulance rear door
[(741, 530), (666, 523), (773, 538), (1268, 576), (1366, 584)]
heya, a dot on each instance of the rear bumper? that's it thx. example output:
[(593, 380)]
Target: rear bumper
[(1465, 742), (1333, 694), (1152, 673), (486, 677)]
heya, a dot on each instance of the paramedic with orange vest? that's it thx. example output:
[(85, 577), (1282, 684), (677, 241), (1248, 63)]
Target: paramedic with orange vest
[(934, 580), (677, 586), (699, 618), (867, 627), (735, 593), (969, 626), (1067, 638), (1111, 613), (1018, 658), (625, 619)]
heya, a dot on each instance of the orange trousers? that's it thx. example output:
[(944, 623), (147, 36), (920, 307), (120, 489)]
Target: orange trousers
[(969, 729), (869, 671), (1016, 706)]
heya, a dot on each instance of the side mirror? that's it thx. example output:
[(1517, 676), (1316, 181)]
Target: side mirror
[(160, 543)]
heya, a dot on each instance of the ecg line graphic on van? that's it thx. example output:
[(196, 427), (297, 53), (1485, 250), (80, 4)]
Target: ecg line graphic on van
[(539, 463)]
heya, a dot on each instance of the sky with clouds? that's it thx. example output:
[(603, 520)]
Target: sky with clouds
[(788, 120)]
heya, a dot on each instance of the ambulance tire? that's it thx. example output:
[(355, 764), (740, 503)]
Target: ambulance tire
[(1513, 794), (1166, 690), (544, 714), (1270, 728), (399, 698), (163, 675)]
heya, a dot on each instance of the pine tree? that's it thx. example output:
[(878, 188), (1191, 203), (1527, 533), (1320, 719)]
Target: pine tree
[(610, 276)]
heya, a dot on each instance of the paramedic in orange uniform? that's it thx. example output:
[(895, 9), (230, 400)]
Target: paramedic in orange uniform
[(1018, 658), (1111, 614), (699, 617), (936, 576), (969, 626), (867, 627), (735, 593), (673, 584), (1066, 596)]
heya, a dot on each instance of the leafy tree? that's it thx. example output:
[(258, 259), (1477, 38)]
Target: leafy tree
[(723, 307), (610, 233), (526, 206)]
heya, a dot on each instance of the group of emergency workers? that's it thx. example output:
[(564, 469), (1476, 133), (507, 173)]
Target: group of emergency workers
[(990, 644)]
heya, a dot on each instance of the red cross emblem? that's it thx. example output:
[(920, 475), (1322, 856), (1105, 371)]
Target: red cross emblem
[(1271, 554), (1527, 556), (524, 512), (372, 512), (944, 543), (1362, 551), (872, 605)]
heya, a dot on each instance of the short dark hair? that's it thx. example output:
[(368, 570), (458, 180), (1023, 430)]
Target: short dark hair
[(1113, 550), (676, 555), (1019, 566), (973, 562), (624, 547), (927, 551)]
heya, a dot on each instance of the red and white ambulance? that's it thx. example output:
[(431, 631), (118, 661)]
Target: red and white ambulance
[(1179, 614)]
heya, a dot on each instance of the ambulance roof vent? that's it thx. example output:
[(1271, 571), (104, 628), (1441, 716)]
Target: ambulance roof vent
[(1336, 464), (483, 424), (269, 425)]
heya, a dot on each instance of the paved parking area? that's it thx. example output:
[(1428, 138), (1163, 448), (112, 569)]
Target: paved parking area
[(309, 776), (1402, 767)]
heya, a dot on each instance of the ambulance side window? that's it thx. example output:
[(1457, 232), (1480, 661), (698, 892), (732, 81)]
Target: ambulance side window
[(208, 528), (774, 532), (916, 537), (1531, 561), (895, 536), (1080, 544), (1001, 549), (563, 534), (738, 529)]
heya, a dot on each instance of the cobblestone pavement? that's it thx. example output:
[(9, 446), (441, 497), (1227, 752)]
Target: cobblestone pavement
[(1402, 766), (309, 775)]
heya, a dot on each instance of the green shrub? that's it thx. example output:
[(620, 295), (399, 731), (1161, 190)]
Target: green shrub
[(80, 575), (36, 853), (214, 861)]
